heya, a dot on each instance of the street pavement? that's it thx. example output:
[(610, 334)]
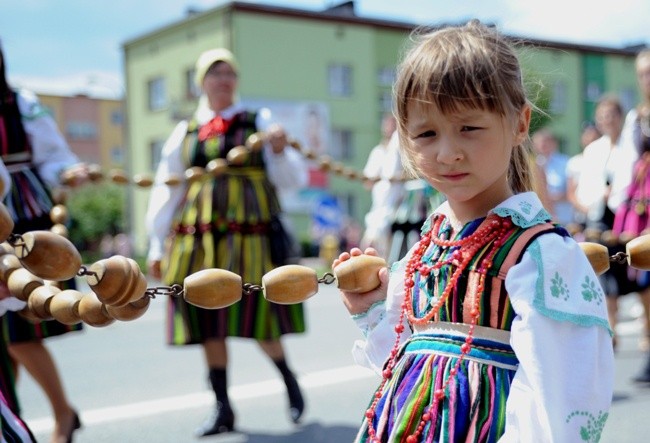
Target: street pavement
[(130, 387)]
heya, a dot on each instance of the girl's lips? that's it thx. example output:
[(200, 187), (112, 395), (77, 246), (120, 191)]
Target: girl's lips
[(457, 176)]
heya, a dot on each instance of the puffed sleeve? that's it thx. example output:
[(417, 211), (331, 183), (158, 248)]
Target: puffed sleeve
[(378, 324), (286, 170), (51, 153), (562, 389), (164, 199)]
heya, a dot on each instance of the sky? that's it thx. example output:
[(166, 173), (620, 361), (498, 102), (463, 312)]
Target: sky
[(50, 45)]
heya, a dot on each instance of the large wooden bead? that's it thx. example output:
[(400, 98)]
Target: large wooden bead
[(174, 180), (107, 277), (194, 174), (8, 264), (638, 252), (39, 301), (217, 167), (63, 306), (133, 287), (48, 255), (130, 311), (60, 229), (21, 283), (212, 288), (92, 311), (6, 248), (6, 223), (598, 256), (95, 173), (359, 273), (290, 284), (237, 155), (118, 176), (255, 142)]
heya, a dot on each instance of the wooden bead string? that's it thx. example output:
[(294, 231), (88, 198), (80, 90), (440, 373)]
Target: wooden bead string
[(217, 167)]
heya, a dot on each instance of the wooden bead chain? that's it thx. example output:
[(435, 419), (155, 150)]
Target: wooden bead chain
[(217, 167), (494, 230)]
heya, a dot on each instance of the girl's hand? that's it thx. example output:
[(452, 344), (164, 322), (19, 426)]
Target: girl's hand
[(359, 303)]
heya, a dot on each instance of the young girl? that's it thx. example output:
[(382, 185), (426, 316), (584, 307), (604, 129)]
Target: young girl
[(493, 327)]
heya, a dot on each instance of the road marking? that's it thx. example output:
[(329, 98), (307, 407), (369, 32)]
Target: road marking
[(202, 399)]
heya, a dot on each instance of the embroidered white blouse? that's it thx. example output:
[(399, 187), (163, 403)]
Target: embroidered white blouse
[(50, 152), (560, 334), (286, 170)]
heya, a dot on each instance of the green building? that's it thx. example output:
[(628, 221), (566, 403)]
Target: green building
[(327, 75)]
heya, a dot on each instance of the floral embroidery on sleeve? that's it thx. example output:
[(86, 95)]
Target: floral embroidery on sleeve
[(592, 291), (591, 430), (559, 288)]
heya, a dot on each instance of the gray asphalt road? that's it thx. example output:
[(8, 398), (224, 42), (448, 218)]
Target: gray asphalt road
[(130, 387)]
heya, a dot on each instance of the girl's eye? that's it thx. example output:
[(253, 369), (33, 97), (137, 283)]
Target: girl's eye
[(469, 128), (426, 134)]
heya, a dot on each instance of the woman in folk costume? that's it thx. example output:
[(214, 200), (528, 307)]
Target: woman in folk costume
[(228, 222), (12, 427), (493, 327), (36, 156)]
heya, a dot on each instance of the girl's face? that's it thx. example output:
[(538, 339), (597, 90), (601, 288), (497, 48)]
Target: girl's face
[(465, 155), (220, 85)]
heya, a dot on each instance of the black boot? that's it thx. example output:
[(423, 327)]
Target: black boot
[(296, 400), (644, 376), (222, 419)]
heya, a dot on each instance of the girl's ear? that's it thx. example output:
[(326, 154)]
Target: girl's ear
[(523, 124)]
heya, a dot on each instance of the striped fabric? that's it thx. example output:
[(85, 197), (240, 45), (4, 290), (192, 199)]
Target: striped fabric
[(226, 222), (29, 204), (473, 409), (14, 429)]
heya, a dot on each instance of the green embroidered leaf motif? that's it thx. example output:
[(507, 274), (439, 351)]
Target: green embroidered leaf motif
[(591, 291), (559, 288), (592, 430)]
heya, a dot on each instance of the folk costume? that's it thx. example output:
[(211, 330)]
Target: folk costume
[(493, 331), (35, 153), (229, 222)]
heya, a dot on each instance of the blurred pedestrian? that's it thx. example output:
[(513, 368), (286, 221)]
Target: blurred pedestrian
[(576, 166), (38, 159), (384, 174), (230, 222), (633, 216), (553, 164), (12, 426), (602, 189)]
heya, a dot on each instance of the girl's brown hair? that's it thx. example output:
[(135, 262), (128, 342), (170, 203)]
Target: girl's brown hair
[(470, 66)]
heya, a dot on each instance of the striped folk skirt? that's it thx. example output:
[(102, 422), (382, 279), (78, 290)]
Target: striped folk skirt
[(474, 406)]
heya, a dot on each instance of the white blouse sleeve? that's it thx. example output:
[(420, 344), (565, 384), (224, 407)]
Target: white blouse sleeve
[(164, 199), (286, 170), (562, 389), (378, 324), (5, 179), (51, 153)]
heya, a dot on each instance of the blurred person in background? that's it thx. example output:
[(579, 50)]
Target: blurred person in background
[(38, 159), (575, 166), (553, 164), (230, 222)]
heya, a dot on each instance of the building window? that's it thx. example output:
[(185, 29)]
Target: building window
[(558, 103), (155, 152), (386, 76), (628, 98), (117, 118), (157, 94), (81, 130), (192, 90), (340, 80), (593, 92), (341, 146), (386, 101), (117, 155)]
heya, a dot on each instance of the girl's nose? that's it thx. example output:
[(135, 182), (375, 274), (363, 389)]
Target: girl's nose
[(448, 152)]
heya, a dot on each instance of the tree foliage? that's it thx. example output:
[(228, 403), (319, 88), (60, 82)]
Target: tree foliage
[(95, 210)]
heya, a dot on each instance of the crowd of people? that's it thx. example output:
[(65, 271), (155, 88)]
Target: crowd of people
[(473, 322)]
